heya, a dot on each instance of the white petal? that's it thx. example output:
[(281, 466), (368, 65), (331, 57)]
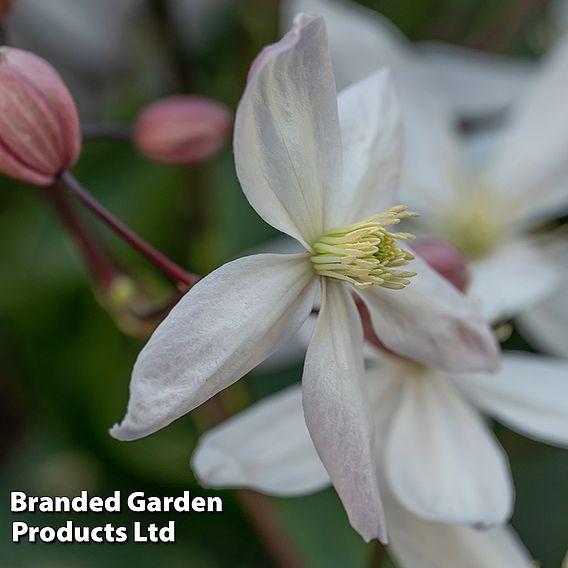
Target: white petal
[(429, 321), (362, 41), (532, 169), (336, 409), (476, 83), (287, 138), (515, 276), (267, 447), (371, 132), (529, 393), (546, 323), (223, 327), (417, 543), (293, 351), (441, 461)]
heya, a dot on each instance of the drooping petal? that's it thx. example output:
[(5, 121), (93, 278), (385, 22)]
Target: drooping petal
[(223, 327), (529, 393), (336, 409), (532, 170), (476, 84), (441, 461), (371, 132), (429, 321), (417, 543), (287, 138), (545, 323), (267, 447), (515, 276)]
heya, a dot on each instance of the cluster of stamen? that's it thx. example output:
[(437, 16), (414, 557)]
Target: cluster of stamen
[(366, 253)]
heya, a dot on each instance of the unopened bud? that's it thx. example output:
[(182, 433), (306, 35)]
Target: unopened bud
[(183, 129), (5, 6), (39, 126), (446, 259)]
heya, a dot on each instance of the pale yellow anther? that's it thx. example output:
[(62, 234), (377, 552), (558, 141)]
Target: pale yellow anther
[(366, 253)]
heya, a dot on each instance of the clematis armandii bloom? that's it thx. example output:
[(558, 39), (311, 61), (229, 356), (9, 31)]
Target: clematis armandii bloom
[(317, 167), (437, 461), (484, 197)]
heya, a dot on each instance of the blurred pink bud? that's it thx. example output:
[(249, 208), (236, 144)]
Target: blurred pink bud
[(39, 126), (182, 129), (446, 259), (5, 6)]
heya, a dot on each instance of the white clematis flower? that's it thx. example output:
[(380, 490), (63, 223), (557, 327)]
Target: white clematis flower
[(436, 459), (483, 202), (470, 82), (546, 323), (312, 166)]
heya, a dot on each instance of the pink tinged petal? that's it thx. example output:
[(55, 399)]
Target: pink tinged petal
[(28, 126), (222, 328), (500, 285), (429, 321), (39, 127), (267, 447), (337, 412), (183, 129), (441, 461), (531, 169), (417, 543), (545, 323), (476, 84), (371, 132), (287, 139), (48, 81), (529, 394), (445, 259)]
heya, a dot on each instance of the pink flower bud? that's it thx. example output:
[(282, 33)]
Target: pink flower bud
[(446, 259), (182, 129), (39, 126), (5, 6)]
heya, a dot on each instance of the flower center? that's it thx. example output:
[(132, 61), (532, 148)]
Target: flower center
[(366, 253), (474, 227)]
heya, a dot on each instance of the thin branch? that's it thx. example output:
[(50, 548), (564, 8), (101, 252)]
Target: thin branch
[(178, 275), (102, 269), (107, 131), (378, 555), (260, 512)]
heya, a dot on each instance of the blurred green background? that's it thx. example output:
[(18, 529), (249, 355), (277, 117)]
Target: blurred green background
[(65, 367)]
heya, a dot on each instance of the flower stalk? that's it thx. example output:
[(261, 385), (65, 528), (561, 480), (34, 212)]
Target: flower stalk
[(102, 269), (183, 279)]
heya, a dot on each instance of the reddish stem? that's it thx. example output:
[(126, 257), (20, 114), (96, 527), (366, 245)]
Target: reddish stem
[(259, 511), (168, 267), (95, 256), (107, 131)]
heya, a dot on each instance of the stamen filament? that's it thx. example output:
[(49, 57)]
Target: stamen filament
[(364, 254)]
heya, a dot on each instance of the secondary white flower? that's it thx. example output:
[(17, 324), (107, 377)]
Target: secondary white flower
[(435, 456), (291, 144), (470, 82), (485, 206), (546, 323)]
